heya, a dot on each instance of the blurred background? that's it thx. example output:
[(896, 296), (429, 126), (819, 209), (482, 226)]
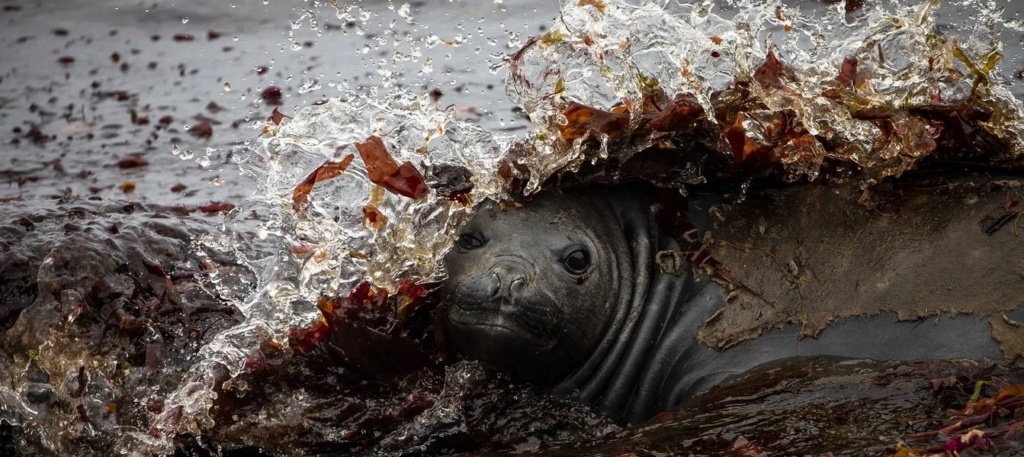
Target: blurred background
[(149, 101)]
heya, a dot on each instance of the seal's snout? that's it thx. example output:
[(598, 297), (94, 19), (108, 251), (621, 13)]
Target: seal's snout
[(506, 279), (531, 292)]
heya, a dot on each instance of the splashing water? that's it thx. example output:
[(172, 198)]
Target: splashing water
[(333, 243), (835, 74), (832, 76), (603, 55)]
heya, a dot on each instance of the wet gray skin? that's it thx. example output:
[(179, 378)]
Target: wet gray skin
[(532, 291), (565, 293)]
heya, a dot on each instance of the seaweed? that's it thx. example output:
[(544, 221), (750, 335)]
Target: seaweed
[(756, 120), (384, 171), (328, 170)]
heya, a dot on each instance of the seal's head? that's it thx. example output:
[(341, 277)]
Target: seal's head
[(531, 291)]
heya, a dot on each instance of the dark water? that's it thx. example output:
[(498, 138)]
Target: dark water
[(114, 295)]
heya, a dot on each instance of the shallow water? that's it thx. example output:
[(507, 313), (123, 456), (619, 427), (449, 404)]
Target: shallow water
[(133, 56), (133, 104)]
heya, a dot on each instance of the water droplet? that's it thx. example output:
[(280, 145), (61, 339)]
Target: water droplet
[(309, 86), (405, 13), (175, 149), (227, 87), (184, 20), (514, 40)]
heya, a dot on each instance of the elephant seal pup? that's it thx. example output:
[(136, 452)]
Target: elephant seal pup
[(566, 293)]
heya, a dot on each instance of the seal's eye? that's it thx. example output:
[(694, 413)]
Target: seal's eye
[(577, 261), (469, 242)]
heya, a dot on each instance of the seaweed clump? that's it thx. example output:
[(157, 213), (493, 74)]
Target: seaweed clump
[(877, 98)]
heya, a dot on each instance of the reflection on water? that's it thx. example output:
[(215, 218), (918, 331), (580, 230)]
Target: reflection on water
[(155, 341)]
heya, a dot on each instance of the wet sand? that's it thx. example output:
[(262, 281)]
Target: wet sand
[(109, 82)]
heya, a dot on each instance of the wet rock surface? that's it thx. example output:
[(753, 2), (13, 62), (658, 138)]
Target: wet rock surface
[(846, 408), (809, 255), (106, 305)]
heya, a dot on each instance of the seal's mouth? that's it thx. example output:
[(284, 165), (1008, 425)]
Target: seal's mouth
[(494, 325)]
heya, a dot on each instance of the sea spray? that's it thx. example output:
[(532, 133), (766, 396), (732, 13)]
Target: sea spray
[(606, 55)]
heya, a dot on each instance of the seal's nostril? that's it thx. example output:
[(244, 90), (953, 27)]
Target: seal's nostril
[(506, 279), (493, 284), (517, 284)]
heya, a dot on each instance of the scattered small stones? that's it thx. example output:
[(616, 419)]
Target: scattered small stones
[(202, 130), (272, 95), (132, 162)]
